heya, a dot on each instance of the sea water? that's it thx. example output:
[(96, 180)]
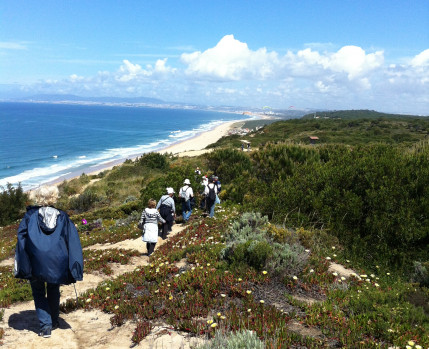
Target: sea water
[(41, 142)]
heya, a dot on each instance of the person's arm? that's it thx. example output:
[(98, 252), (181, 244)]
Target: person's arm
[(143, 217), (158, 204), (75, 251), (22, 268), (159, 218), (173, 205)]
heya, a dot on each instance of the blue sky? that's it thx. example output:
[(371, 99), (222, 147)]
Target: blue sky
[(338, 54)]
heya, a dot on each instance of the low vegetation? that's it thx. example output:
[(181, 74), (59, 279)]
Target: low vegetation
[(260, 274)]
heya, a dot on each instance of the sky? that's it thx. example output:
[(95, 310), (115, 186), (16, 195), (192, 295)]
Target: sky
[(330, 54)]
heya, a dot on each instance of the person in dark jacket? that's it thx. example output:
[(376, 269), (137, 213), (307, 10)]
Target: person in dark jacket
[(49, 254), (167, 209)]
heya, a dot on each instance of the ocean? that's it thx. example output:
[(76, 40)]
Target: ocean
[(41, 143)]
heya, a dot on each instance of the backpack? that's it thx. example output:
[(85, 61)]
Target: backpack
[(212, 194)]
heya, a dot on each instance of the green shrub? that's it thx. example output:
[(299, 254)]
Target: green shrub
[(12, 203), (237, 340), (84, 201), (154, 161), (253, 253), (249, 241), (229, 164)]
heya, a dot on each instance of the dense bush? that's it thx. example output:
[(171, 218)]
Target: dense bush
[(374, 198), (154, 161), (229, 164), (12, 203)]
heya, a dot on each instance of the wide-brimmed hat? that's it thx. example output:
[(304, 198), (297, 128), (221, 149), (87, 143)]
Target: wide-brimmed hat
[(187, 181), (170, 190)]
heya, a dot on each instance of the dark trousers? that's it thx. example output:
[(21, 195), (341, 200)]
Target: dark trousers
[(165, 229), (150, 247), (47, 302)]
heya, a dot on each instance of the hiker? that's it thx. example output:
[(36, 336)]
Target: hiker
[(242, 147), (48, 254), (167, 209), (217, 182), (187, 195), (248, 146), (197, 174), (219, 188), (149, 219), (204, 183), (211, 193)]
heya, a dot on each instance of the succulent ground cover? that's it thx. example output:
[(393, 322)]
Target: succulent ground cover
[(188, 287), (100, 260)]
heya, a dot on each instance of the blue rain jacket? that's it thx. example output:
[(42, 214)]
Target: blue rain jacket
[(48, 247)]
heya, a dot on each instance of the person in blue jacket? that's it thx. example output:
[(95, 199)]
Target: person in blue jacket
[(49, 254)]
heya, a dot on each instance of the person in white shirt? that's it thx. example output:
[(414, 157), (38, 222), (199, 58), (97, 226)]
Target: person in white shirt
[(150, 218), (186, 194)]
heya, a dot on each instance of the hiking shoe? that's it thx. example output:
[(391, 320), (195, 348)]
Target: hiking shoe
[(46, 333), (55, 325)]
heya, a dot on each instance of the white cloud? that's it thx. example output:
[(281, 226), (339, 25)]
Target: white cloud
[(230, 60), (422, 59), (354, 61), (231, 73)]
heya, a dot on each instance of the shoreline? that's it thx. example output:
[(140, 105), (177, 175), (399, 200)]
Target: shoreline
[(189, 147)]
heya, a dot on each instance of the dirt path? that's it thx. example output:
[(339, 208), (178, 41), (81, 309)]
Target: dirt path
[(87, 329)]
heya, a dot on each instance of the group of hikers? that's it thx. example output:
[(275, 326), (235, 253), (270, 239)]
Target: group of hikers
[(164, 211), (49, 253)]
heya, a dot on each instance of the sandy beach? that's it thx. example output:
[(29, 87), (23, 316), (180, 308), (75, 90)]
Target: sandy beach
[(190, 147)]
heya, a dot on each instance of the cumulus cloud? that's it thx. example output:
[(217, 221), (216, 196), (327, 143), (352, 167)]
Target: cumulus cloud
[(232, 73), (422, 59), (230, 60)]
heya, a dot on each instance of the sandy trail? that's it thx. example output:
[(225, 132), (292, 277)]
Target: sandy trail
[(87, 329)]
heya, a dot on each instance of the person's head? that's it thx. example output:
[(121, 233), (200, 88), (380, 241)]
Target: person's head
[(45, 195), (187, 181), (170, 191), (151, 203), (215, 178)]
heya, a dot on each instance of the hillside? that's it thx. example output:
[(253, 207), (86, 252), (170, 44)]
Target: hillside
[(312, 247), (352, 131)]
